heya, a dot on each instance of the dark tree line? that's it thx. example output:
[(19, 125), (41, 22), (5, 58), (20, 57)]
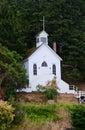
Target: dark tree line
[(20, 21)]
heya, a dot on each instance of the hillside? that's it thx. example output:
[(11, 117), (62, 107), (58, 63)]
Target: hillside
[(30, 97), (64, 22)]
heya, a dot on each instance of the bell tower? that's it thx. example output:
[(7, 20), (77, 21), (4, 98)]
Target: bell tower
[(42, 37)]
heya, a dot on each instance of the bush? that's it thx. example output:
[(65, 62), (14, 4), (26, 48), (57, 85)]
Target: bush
[(6, 115), (18, 111), (11, 92), (50, 93), (19, 114), (78, 116), (50, 90)]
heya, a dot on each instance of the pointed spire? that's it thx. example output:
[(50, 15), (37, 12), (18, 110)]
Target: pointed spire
[(42, 37), (43, 23), (43, 20)]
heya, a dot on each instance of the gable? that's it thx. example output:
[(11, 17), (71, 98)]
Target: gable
[(45, 50), (42, 33)]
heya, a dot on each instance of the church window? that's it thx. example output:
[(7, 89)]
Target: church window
[(54, 69), (35, 69), (37, 40), (71, 87), (43, 39), (44, 64)]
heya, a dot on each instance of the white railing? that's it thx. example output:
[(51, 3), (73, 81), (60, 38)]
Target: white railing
[(78, 94)]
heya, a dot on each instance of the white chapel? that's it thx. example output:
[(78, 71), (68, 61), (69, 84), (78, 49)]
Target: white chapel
[(43, 65)]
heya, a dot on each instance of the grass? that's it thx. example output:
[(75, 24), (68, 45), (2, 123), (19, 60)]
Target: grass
[(38, 116), (41, 113)]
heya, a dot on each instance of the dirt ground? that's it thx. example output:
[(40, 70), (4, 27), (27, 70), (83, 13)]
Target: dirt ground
[(38, 97)]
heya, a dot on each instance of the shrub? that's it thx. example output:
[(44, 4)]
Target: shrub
[(50, 90), (78, 116), (19, 114), (11, 92), (18, 111), (6, 115), (50, 93)]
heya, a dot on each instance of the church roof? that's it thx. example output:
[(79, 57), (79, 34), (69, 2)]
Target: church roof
[(48, 48), (42, 32), (25, 60)]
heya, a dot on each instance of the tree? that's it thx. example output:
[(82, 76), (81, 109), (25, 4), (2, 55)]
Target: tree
[(10, 27), (12, 73), (78, 116), (65, 23)]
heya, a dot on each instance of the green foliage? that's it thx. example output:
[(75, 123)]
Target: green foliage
[(50, 93), (19, 114), (40, 113), (11, 92), (78, 116), (10, 26), (11, 71), (50, 90), (73, 75), (65, 23), (6, 115), (75, 59)]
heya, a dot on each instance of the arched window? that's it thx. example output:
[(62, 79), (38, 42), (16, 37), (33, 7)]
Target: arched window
[(54, 69), (44, 64), (35, 69)]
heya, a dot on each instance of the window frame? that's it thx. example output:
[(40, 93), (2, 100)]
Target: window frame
[(37, 39), (54, 69), (43, 39), (44, 64), (34, 69)]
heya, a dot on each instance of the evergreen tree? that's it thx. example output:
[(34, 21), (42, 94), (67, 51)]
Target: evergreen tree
[(20, 21), (12, 74)]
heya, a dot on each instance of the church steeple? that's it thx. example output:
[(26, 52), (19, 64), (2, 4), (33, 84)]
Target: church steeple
[(43, 23), (42, 37)]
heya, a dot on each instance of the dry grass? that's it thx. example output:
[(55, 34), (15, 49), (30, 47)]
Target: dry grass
[(30, 97), (61, 124)]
